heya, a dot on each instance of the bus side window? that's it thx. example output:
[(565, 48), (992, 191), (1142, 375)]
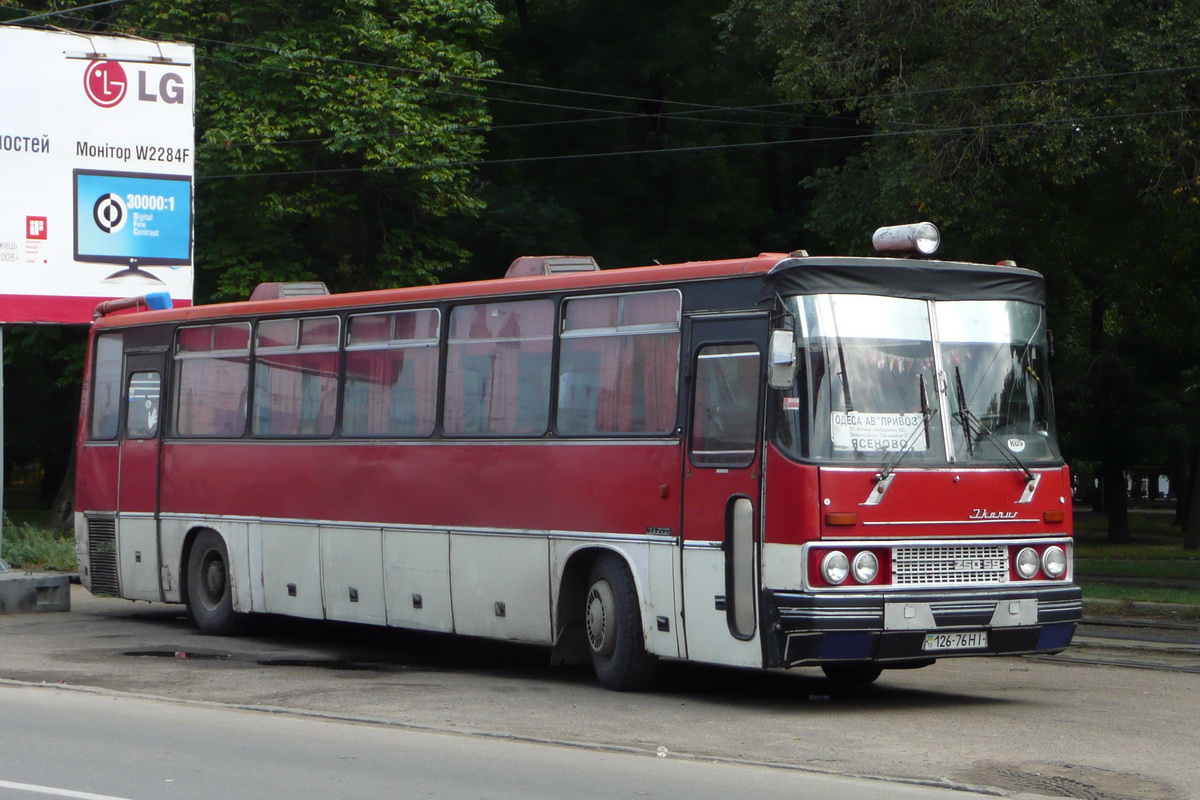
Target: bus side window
[(141, 418), (212, 368), (498, 369), (725, 414), (106, 386), (619, 364)]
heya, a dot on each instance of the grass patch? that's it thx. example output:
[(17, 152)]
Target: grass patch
[(1145, 594), (30, 546), (1098, 549), (1160, 522), (1148, 569)]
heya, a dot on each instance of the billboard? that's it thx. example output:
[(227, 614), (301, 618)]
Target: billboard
[(97, 157)]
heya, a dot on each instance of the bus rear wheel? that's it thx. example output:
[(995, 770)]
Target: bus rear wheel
[(613, 624), (209, 594)]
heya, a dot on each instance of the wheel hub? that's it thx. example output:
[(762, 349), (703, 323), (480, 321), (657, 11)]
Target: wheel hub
[(213, 580), (601, 628)]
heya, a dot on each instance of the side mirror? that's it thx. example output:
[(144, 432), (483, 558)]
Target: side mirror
[(781, 371)]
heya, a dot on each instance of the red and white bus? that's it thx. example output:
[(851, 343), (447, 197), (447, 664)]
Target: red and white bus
[(775, 461)]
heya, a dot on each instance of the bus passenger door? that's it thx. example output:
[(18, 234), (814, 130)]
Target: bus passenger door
[(722, 491), (138, 477)]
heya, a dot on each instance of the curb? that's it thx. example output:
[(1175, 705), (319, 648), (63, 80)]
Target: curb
[(31, 592), (1139, 608)]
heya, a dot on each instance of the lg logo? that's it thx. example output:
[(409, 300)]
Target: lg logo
[(106, 84)]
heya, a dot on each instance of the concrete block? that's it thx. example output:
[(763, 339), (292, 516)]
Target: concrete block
[(29, 592)]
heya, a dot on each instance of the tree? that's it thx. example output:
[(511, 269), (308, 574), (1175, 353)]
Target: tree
[(1073, 127), (628, 131), (335, 138)]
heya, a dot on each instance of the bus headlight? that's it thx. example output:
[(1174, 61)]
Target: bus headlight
[(1054, 562), (835, 567), (866, 567), (1027, 563)]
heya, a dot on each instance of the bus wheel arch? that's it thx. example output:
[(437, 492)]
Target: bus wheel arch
[(598, 620), (612, 623), (207, 585)]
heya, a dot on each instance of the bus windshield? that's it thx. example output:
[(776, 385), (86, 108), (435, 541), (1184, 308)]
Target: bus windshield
[(933, 382)]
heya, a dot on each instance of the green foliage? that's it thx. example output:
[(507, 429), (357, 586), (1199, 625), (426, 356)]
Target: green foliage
[(28, 546), (616, 167), (1063, 135), (335, 138), (983, 115), (1116, 565), (1187, 599)]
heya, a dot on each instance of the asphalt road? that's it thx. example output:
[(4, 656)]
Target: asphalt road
[(128, 748), (1034, 726)]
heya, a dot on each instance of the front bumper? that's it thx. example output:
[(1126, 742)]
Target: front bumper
[(811, 629)]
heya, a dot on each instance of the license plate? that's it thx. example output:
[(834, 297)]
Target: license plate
[(967, 640)]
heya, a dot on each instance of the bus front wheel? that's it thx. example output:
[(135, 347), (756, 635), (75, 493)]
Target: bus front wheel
[(209, 594), (614, 627)]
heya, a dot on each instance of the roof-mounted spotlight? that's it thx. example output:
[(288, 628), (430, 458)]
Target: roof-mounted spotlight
[(921, 237)]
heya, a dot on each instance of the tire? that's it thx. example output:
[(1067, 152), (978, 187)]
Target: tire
[(852, 674), (613, 624), (209, 594)]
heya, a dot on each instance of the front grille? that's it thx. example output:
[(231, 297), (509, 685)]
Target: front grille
[(102, 555), (950, 565)]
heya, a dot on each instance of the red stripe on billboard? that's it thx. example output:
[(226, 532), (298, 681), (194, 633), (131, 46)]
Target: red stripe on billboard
[(38, 309)]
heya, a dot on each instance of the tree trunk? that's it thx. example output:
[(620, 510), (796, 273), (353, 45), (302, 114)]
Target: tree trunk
[(1188, 500), (62, 511), (1116, 502)]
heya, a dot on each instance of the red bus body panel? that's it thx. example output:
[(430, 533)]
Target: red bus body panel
[(536, 485), (943, 503)]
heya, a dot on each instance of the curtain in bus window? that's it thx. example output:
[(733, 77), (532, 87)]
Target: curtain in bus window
[(619, 363), (498, 368), (213, 376), (391, 374), (295, 377), (391, 392), (295, 394), (211, 400), (584, 349), (638, 379)]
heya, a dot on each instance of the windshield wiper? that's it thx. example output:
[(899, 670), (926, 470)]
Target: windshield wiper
[(844, 376), (964, 414), (927, 413), (984, 432)]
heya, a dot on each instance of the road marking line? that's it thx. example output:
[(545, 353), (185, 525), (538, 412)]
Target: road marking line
[(29, 787)]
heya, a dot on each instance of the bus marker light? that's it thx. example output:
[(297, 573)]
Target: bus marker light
[(1054, 516), (841, 518)]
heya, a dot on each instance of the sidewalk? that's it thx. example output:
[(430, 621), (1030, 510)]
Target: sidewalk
[(1131, 610)]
